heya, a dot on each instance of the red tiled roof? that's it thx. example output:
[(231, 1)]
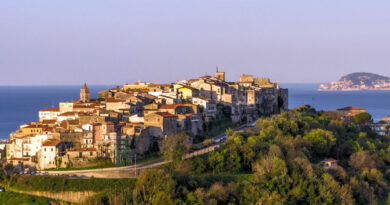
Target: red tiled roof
[(64, 124), (68, 114), (50, 110), (135, 123), (35, 126), (171, 106), (165, 114), (18, 159), (351, 108), (49, 121), (51, 143), (82, 107), (48, 129), (113, 100)]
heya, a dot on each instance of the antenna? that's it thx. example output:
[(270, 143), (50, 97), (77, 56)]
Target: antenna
[(217, 69)]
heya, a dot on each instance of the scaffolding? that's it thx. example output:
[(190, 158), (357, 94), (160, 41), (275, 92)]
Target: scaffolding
[(123, 155)]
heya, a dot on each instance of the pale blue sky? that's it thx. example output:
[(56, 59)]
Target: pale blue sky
[(114, 41)]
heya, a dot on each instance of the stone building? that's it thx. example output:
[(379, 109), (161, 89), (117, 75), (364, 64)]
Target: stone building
[(248, 97), (51, 151), (350, 111), (161, 124), (84, 94)]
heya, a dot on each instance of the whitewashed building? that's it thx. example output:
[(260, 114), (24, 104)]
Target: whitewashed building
[(49, 114)]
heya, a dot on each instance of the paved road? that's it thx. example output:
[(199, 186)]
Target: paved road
[(133, 170)]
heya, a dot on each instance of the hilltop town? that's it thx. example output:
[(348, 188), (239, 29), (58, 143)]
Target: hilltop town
[(133, 119), (358, 81)]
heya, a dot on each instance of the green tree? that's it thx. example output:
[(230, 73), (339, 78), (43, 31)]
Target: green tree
[(270, 198), (154, 186), (362, 118), (216, 161), (361, 160), (321, 140), (198, 165), (174, 147), (270, 168)]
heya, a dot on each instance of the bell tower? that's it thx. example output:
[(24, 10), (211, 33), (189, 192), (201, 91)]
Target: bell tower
[(220, 75), (84, 94)]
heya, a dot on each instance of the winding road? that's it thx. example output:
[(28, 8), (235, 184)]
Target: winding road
[(133, 170)]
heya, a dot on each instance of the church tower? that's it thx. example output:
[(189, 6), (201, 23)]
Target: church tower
[(220, 75), (84, 94)]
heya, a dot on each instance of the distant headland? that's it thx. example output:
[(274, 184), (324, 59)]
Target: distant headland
[(358, 81)]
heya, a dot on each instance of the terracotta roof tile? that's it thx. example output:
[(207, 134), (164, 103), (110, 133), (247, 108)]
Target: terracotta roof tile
[(113, 100), (51, 143), (68, 114), (49, 121), (19, 159), (172, 106), (50, 110), (165, 114), (35, 126), (351, 108)]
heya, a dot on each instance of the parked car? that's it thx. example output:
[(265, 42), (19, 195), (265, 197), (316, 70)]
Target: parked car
[(2, 189)]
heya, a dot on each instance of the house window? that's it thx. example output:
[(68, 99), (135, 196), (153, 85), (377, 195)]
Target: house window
[(80, 154), (51, 149), (90, 154), (44, 149)]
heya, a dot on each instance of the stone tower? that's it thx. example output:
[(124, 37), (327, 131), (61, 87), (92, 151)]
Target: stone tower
[(84, 94), (220, 75)]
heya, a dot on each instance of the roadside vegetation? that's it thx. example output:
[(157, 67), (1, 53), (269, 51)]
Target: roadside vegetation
[(93, 164), (277, 162), (12, 198)]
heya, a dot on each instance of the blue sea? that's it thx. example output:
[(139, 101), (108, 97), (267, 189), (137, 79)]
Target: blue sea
[(20, 104)]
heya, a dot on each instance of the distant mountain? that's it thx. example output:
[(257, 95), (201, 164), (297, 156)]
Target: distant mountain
[(358, 81)]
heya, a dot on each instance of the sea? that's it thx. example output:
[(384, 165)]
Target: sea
[(20, 104)]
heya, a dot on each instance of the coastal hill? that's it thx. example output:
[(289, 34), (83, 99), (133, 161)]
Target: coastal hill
[(358, 81)]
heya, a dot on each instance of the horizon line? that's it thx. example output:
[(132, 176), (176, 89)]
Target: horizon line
[(17, 85)]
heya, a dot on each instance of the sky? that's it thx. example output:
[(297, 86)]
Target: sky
[(53, 42)]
